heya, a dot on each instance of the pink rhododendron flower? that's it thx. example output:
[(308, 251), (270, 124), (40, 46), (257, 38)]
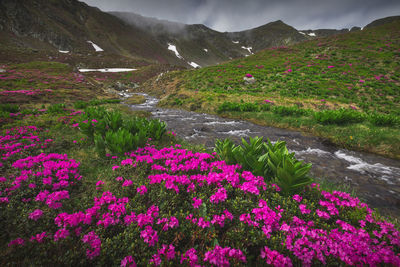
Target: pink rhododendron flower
[(219, 196), (297, 198), (128, 261), (197, 202), (115, 167), (35, 215), (273, 257), (219, 256), (127, 183), (303, 209), (94, 242), (17, 242), (142, 189), (39, 237), (191, 256), (149, 236)]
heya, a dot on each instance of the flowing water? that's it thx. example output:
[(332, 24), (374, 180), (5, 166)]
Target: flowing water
[(375, 179)]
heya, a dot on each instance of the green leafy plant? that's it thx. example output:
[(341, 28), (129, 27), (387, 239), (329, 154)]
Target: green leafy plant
[(384, 119), (9, 108), (111, 132), (56, 108), (120, 141), (114, 120), (272, 161), (340, 116), (156, 129)]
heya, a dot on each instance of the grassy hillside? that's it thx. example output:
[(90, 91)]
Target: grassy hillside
[(70, 195), (344, 87)]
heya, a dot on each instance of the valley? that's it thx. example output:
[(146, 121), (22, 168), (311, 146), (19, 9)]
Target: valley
[(134, 141)]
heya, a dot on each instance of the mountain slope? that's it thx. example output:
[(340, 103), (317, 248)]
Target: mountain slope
[(383, 21), (206, 47), (196, 43), (70, 24), (272, 34)]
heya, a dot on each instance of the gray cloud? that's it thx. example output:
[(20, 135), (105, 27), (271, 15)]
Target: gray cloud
[(236, 15)]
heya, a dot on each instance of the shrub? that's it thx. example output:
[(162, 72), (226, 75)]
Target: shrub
[(228, 106), (384, 119), (340, 116)]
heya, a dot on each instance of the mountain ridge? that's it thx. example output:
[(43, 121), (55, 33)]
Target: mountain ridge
[(70, 25)]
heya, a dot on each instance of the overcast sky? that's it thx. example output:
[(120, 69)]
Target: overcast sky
[(237, 15)]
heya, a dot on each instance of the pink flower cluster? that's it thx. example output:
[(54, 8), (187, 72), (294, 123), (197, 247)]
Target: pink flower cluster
[(189, 175), (16, 141), (128, 261), (94, 242), (220, 256), (273, 257), (25, 92), (167, 251)]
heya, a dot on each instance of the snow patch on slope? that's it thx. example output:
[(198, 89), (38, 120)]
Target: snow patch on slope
[(173, 49), (235, 42), (312, 34), (95, 46), (302, 33), (248, 49), (194, 65), (63, 51), (205, 49), (107, 70)]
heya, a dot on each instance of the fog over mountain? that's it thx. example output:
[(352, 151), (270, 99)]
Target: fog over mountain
[(235, 15)]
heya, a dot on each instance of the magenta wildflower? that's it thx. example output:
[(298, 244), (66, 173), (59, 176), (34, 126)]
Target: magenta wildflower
[(197, 202), (219, 256), (94, 242), (115, 167), (149, 236), (127, 183), (303, 209), (219, 196), (297, 198), (191, 256), (128, 261), (17, 242), (274, 258), (39, 237), (142, 189), (35, 215), (322, 214)]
